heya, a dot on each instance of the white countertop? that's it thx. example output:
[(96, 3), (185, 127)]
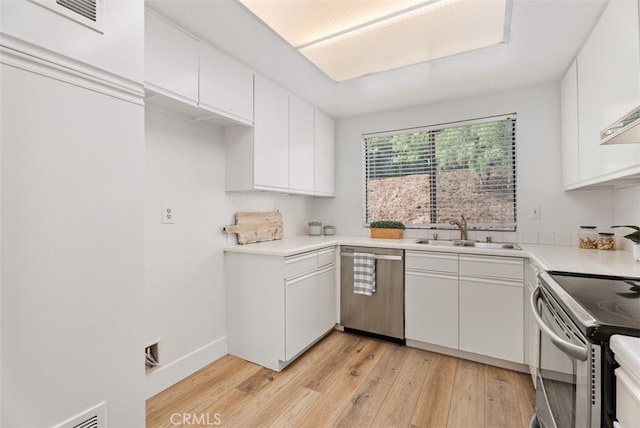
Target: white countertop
[(548, 257), (627, 350)]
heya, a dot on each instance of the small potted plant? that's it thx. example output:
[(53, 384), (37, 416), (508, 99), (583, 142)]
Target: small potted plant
[(386, 229), (635, 238)]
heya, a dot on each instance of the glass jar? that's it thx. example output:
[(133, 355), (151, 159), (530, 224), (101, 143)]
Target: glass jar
[(588, 237), (315, 228), (606, 241)]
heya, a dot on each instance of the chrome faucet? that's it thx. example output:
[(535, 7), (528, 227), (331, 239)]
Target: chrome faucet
[(462, 225)]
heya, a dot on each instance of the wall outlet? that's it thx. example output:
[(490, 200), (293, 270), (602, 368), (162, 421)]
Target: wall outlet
[(535, 212), (168, 214)]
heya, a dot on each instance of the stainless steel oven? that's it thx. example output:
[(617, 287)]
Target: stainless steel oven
[(577, 313), (568, 380)]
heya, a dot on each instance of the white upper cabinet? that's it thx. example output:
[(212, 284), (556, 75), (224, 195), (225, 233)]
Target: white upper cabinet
[(301, 146), (325, 153), (194, 79), (271, 136), (569, 113), (226, 86), (290, 149), (608, 87), (171, 60)]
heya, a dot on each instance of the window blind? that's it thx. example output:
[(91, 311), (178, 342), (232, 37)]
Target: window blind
[(429, 176)]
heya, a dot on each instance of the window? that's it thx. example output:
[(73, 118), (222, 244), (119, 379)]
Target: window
[(428, 176)]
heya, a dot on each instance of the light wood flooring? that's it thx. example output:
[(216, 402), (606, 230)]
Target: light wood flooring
[(348, 380)]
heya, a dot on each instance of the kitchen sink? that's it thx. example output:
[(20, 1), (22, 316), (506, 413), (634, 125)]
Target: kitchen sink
[(468, 243), (439, 242)]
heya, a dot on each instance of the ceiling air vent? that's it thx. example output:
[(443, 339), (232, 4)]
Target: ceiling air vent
[(86, 12), (86, 8)]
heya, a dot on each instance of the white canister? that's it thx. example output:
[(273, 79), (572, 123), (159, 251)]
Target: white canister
[(329, 230), (315, 228)]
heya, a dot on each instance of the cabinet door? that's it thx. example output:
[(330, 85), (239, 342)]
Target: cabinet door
[(491, 318), (608, 87), (301, 146), (569, 123), (226, 86), (171, 60), (431, 308), (301, 313), (271, 136), (327, 299), (325, 157)]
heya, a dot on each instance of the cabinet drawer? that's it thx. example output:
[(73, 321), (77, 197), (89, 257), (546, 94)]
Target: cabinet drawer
[(300, 263), (492, 266), (326, 256), (430, 261)]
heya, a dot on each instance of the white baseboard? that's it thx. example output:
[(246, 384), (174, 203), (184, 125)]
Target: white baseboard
[(165, 375)]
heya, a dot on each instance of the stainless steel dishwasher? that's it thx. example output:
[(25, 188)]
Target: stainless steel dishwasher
[(382, 313)]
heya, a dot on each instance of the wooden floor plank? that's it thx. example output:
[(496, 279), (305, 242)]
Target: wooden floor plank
[(397, 409), (467, 399), (365, 403), (337, 395), (294, 409), (325, 372), (433, 405), (501, 399), (526, 397), (199, 390), (348, 380), (224, 408)]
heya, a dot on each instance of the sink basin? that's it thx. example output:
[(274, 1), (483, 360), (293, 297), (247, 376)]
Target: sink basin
[(497, 245), (438, 242), (476, 244)]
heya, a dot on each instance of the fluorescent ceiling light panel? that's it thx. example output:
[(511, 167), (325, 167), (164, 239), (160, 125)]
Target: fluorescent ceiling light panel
[(351, 38)]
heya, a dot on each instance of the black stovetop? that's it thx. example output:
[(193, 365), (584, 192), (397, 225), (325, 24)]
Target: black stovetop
[(614, 302)]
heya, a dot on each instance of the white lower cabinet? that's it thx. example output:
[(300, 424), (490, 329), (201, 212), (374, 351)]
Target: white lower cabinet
[(627, 383), (301, 309), (431, 298), (327, 298), (279, 306), (491, 306), (467, 302), (491, 318)]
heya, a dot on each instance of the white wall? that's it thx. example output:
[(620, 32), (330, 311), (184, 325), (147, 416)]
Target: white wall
[(184, 288), (538, 164), (185, 291), (72, 192), (72, 252)]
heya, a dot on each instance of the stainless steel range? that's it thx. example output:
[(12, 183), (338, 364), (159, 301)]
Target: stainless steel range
[(577, 314)]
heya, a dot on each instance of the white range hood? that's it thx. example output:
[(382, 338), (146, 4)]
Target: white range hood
[(625, 130)]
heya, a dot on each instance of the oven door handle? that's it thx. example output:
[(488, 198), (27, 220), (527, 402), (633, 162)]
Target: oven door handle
[(578, 352)]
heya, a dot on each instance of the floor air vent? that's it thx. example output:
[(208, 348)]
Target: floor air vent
[(92, 418)]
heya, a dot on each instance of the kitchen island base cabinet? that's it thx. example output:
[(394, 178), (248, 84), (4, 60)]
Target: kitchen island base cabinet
[(279, 306)]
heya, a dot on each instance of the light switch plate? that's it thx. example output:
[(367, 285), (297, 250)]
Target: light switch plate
[(168, 214), (535, 212)]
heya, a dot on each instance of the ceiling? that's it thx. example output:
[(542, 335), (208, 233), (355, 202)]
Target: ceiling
[(545, 36)]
